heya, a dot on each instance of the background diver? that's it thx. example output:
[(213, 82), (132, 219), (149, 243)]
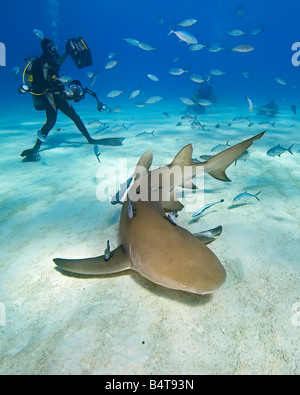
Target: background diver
[(49, 94)]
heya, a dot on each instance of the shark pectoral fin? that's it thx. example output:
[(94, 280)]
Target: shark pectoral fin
[(205, 239), (172, 204), (217, 165), (209, 236), (96, 266)]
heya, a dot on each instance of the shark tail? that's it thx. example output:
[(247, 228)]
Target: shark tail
[(217, 165), (96, 266)]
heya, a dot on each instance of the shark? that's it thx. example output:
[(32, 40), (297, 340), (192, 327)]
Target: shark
[(154, 245)]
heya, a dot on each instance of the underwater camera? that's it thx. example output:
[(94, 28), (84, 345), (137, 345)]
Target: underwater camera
[(75, 91), (79, 52)]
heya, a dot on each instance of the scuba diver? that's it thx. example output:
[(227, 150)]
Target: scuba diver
[(49, 94)]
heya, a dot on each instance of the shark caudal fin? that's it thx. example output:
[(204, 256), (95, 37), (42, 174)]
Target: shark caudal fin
[(217, 165)]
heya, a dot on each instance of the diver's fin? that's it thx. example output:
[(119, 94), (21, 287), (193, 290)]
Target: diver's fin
[(96, 266), (217, 165), (30, 155), (112, 141)]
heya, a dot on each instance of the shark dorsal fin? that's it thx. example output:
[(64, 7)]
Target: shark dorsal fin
[(184, 157), (145, 162)]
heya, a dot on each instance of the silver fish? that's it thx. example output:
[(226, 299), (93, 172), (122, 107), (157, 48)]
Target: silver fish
[(96, 124), (154, 99), (196, 47), (281, 81), (235, 32), (217, 72), (184, 36), (278, 150), (198, 78), (114, 93), (153, 77), (215, 48), (178, 71), (250, 104), (244, 157), (111, 64), (256, 31), (64, 79), (265, 124), (244, 197), (131, 41), (220, 147), (146, 47), (204, 102), (146, 134), (39, 34), (242, 48), (135, 93), (187, 22), (187, 101)]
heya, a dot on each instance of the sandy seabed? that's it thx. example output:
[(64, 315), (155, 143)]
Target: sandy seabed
[(123, 324)]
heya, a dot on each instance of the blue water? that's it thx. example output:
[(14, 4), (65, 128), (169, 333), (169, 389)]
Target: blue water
[(103, 24)]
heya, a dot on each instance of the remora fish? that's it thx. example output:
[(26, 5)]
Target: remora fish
[(202, 209), (165, 254), (97, 152), (119, 195)]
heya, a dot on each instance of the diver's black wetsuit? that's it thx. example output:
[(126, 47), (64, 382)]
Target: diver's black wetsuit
[(52, 102), (49, 96)]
